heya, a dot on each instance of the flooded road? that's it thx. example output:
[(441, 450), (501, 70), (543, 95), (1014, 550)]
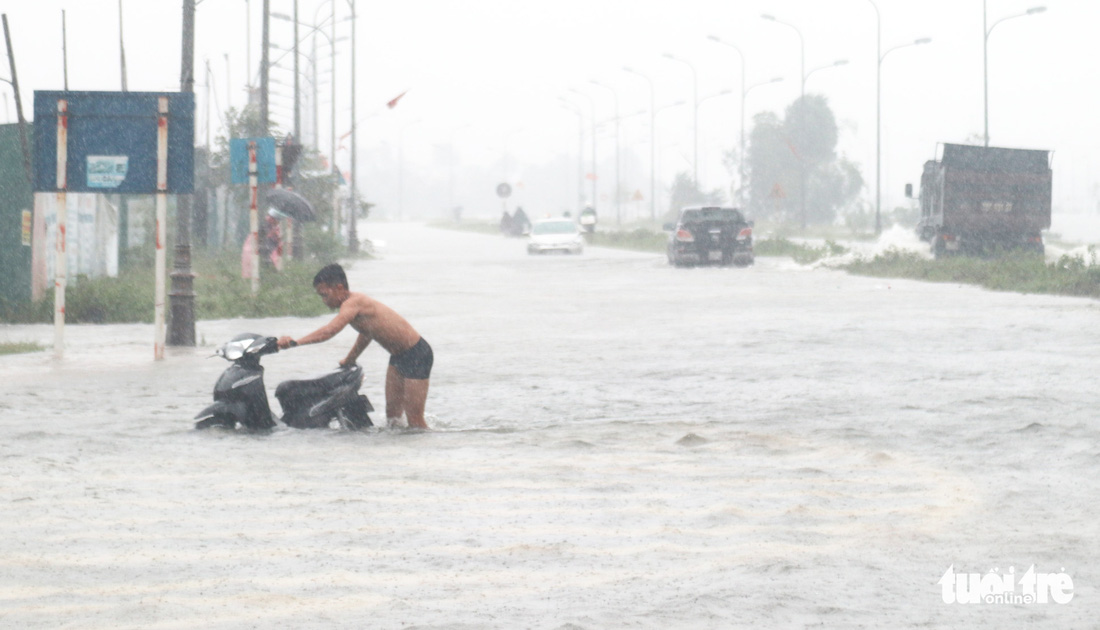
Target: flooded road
[(617, 444)]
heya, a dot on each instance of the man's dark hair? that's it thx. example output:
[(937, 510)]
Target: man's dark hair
[(332, 275)]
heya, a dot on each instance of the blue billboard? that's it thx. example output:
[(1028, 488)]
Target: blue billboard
[(265, 160), (112, 144)]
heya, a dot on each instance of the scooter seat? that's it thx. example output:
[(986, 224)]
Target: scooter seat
[(317, 386)]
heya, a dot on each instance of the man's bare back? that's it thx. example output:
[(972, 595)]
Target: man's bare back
[(379, 322)]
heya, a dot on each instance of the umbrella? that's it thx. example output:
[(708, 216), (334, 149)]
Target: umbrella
[(291, 204)]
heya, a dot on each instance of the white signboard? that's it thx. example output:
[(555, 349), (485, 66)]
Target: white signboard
[(106, 171)]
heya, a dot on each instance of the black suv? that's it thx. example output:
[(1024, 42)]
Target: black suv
[(710, 235)]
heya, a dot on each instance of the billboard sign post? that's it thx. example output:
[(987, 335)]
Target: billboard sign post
[(254, 161), (136, 143)]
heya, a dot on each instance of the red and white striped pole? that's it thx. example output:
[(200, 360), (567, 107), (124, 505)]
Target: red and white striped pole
[(61, 260), (254, 217), (162, 226)]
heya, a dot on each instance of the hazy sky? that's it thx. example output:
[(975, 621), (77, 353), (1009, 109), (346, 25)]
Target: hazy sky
[(488, 75)]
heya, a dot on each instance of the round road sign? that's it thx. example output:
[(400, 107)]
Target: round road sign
[(504, 190)]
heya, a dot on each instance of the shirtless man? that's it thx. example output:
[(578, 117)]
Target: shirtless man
[(410, 356)]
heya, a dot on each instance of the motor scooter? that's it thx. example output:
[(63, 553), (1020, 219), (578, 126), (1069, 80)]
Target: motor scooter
[(241, 400)]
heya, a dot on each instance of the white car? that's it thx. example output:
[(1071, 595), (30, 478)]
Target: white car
[(548, 235)]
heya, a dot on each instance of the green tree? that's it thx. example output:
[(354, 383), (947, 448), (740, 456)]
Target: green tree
[(799, 150), (771, 169), (314, 180)]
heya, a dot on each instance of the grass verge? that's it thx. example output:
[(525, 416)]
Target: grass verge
[(1069, 275), (19, 347), (221, 293)]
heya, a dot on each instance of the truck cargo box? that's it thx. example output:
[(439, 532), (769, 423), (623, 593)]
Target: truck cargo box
[(977, 199)]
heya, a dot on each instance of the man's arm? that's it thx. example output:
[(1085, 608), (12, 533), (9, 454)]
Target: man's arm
[(361, 344), (324, 333)]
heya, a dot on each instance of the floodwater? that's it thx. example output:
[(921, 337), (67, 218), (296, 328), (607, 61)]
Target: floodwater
[(616, 444)]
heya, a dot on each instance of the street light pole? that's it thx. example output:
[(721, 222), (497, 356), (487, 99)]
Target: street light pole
[(695, 116), (838, 62), (580, 150), (401, 170), (985, 56), (715, 95), (657, 112), (652, 143), (618, 192), (592, 104), (741, 158), (878, 119), (878, 122), (450, 169), (801, 98)]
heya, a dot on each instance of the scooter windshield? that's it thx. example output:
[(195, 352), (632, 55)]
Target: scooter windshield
[(236, 348)]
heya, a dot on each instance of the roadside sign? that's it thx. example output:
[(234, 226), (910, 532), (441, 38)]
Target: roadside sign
[(130, 143), (112, 141), (504, 191), (265, 160)]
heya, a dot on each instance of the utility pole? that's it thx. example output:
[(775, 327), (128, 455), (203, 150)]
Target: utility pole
[(18, 105), (64, 51), (353, 235), (121, 48), (266, 45), (297, 87), (332, 123), (181, 329), (123, 200)]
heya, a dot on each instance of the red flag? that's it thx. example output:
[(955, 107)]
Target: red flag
[(393, 103)]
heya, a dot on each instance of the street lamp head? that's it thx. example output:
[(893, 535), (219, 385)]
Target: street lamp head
[(1034, 10), (776, 80), (668, 56), (923, 40), (714, 38), (841, 62), (281, 16), (768, 17)]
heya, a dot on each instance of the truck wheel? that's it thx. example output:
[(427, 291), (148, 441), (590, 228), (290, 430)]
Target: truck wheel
[(939, 248)]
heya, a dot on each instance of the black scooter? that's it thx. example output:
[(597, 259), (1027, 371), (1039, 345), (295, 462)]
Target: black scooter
[(241, 400)]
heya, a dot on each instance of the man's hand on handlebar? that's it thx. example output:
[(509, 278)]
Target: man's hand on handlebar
[(286, 342)]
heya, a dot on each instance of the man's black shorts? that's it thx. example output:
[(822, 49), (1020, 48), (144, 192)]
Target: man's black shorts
[(416, 362)]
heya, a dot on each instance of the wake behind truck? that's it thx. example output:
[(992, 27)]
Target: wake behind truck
[(978, 200)]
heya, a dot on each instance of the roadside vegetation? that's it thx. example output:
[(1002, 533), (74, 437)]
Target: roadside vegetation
[(19, 347), (1010, 271), (1069, 275), (221, 292)]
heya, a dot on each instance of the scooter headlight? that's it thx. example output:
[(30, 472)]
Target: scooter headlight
[(234, 350)]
